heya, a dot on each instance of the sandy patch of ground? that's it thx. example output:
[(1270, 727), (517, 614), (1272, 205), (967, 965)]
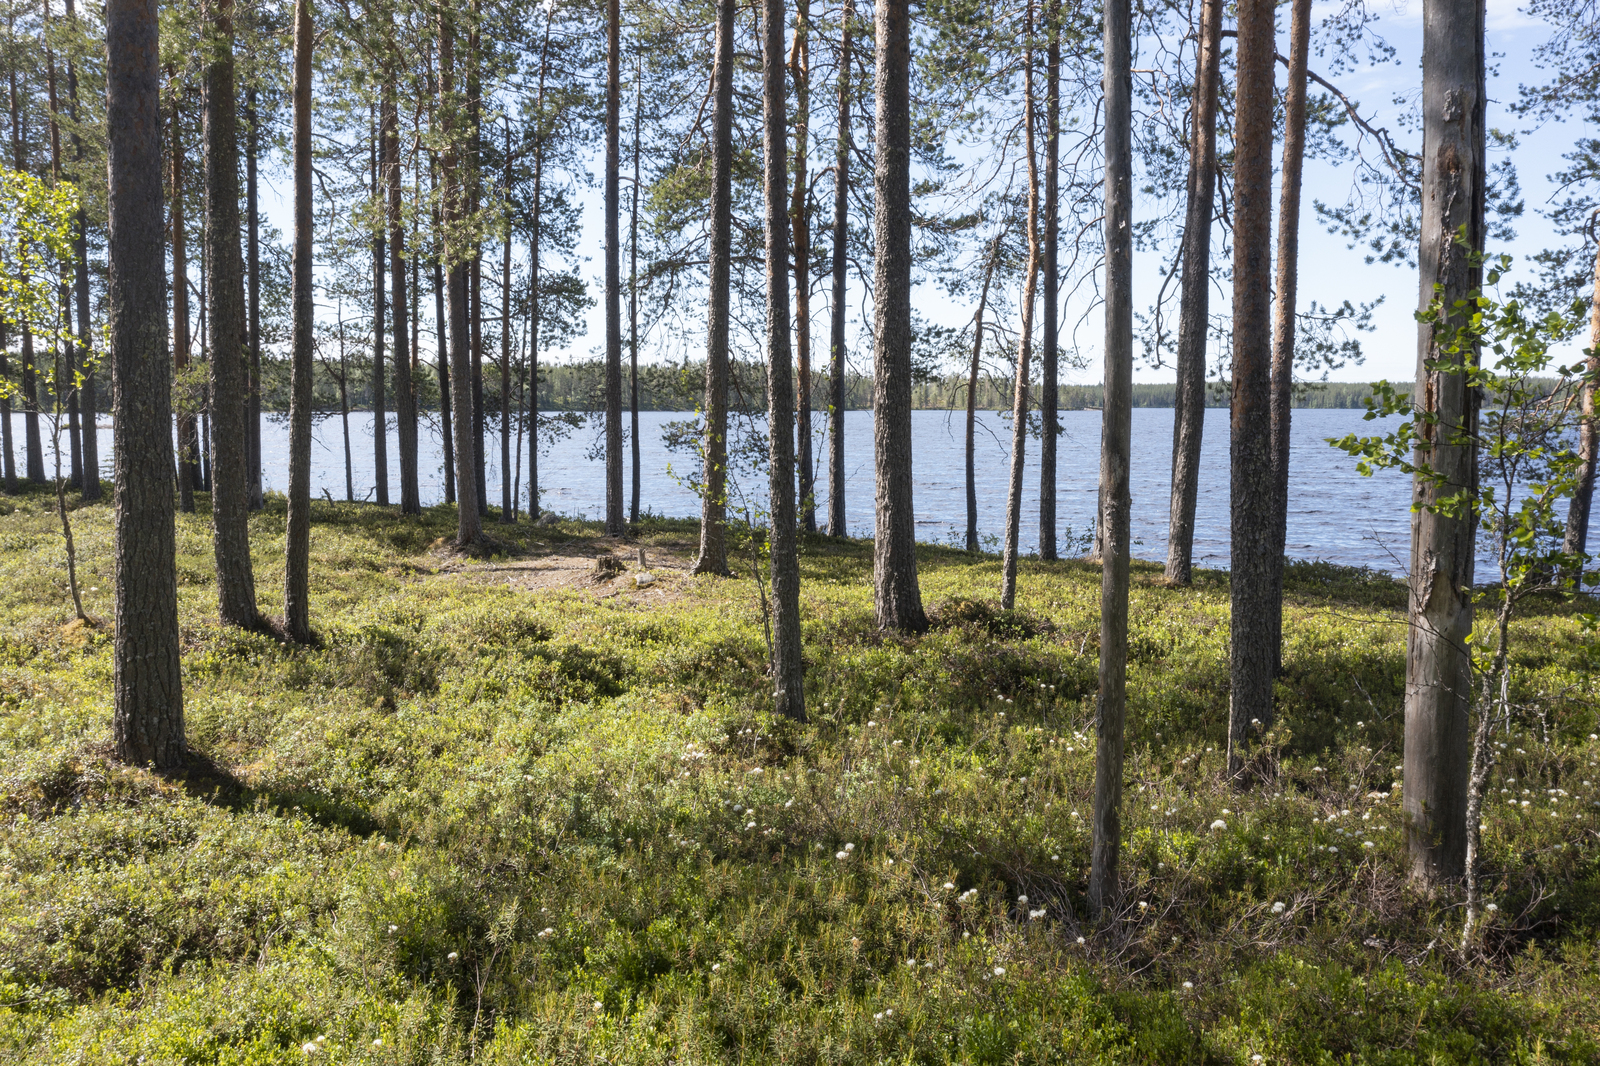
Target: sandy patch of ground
[(572, 567)]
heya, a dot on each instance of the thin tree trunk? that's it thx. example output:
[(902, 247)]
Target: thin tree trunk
[(66, 354), (479, 428), (188, 430), (508, 499), (380, 319), (1030, 281), (613, 282), (788, 676), (1115, 452), (713, 558), (442, 355), (80, 246), (229, 446), (1189, 407), (897, 598), (1283, 324), (1438, 663), (633, 308), (8, 463), (533, 273), (30, 388), (147, 702), (253, 292), (841, 235), (469, 524), (1250, 496), (297, 541), (1578, 511), (405, 391), (972, 396), (1049, 391), (344, 420), (800, 219)]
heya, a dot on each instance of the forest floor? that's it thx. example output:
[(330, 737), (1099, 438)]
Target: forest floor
[(500, 815)]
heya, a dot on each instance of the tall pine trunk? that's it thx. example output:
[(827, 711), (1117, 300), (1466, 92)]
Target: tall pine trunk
[(252, 264), (972, 395), (1049, 391), (633, 310), (1578, 512), (800, 220), (1194, 307), (713, 557), (896, 595), (1283, 321), (380, 321), (613, 281), (508, 499), (188, 435), (33, 445), (841, 237), (1115, 452), (788, 667), (405, 390), (1250, 495), (1030, 281), (533, 272), (230, 381), (147, 700), (441, 329), (1438, 662), (87, 395), (469, 523), (297, 542)]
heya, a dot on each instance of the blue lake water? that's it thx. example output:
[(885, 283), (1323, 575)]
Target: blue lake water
[(1334, 513)]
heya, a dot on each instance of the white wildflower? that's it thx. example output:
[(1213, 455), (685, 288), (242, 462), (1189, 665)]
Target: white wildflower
[(1278, 908), (1219, 824)]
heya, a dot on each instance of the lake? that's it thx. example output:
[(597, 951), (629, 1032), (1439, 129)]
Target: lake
[(1334, 513)]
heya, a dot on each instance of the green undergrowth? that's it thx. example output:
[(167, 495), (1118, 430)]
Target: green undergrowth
[(479, 823)]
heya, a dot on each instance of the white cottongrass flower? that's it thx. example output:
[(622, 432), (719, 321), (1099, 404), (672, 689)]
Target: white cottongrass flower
[(849, 847), (1188, 986), (1219, 824), (841, 855), (999, 971), (1080, 941), (911, 964), (1278, 908), (309, 1048)]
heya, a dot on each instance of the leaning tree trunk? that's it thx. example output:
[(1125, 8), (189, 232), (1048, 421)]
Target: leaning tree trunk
[(800, 221), (615, 526), (897, 597), (230, 382), (1030, 281), (841, 235), (1115, 448), (1283, 321), (297, 541), (1438, 663), (1577, 538), (469, 523), (972, 396), (713, 557), (1048, 386), (788, 677), (147, 700), (1250, 584), (1194, 310)]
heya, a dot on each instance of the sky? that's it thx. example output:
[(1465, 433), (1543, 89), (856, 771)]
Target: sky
[(1330, 271)]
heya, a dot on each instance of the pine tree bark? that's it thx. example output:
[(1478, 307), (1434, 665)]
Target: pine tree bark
[(33, 444), (253, 291), (66, 359), (1576, 539), (613, 281), (380, 322), (897, 597), (441, 328), (188, 429), (633, 309), (230, 402), (713, 557), (788, 667), (800, 220), (1250, 584), (1194, 321), (1049, 390), (1115, 452), (8, 462), (1438, 663), (475, 325), (87, 394), (972, 395), (469, 523), (297, 541), (841, 236), (508, 500), (405, 392), (1030, 281), (147, 708), (534, 232), (1283, 322)]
